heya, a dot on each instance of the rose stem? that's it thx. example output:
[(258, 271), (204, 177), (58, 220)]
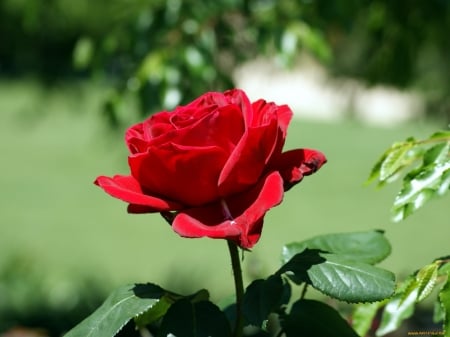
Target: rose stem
[(239, 286)]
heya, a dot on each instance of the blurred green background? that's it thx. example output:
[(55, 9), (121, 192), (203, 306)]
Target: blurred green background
[(74, 75)]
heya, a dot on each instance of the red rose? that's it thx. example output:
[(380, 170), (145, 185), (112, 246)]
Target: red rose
[(214, 166)]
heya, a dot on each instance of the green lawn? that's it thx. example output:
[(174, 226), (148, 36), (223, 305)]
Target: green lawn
[(53, 146)]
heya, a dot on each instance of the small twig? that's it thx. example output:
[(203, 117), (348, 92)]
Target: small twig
[(305, 288)]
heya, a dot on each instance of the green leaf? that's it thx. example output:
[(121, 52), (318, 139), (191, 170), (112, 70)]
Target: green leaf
[(395, 159), (444, 184), (426, 280), (421, 183), (339, 277), (154, 313), (263, 297), (298, 266), (363, 316), (370, 247), (419, 189), (199, 319), (313, 318), (375, 172), (407, 287), (438, 312), (395, 312), (437, 154), (120, 307), (351, 281), (444, 299), (160, 308), (444, 268), (442, 134)]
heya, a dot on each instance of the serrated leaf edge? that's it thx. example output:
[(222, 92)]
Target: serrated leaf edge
[(348, 267)]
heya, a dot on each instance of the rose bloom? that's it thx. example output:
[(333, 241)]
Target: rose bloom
[(213, 167)]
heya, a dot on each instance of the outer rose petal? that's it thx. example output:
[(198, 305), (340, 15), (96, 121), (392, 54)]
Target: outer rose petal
[(247, 211), (128, 189), (295, 164)]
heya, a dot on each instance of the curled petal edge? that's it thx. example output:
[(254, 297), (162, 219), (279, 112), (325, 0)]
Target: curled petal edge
[(244, 229), (293, 165), (127, 188)]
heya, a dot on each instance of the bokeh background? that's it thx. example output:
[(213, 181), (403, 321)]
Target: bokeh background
[(74, 74)]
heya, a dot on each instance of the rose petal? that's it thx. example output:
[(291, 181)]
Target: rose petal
[(249, 159), (223, 128), (185, 174), (263, 111), (247, 211), (240, 99), (293, 165), (126, 188)]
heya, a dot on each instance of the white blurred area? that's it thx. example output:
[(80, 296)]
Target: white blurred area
[(312, 93)]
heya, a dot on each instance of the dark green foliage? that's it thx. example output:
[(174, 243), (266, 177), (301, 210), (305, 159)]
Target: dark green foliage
[(313, 318), (200, 319), (169, 51), (263, 297), (29, 299), (335, 274)]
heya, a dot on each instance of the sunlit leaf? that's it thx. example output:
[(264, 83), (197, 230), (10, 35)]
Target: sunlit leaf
[(437, 154), (395, 160), (441, 134), (426, 280), (398, 157), (340, 278), (120, 307), (421, 188), (444, 268), (429, 178), (407, 287), (375, 172), (444, 184), (395, 312), (351, 281), (369, 247)]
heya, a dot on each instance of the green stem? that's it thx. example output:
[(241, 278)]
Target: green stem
[(239, 287), (433, 140)]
